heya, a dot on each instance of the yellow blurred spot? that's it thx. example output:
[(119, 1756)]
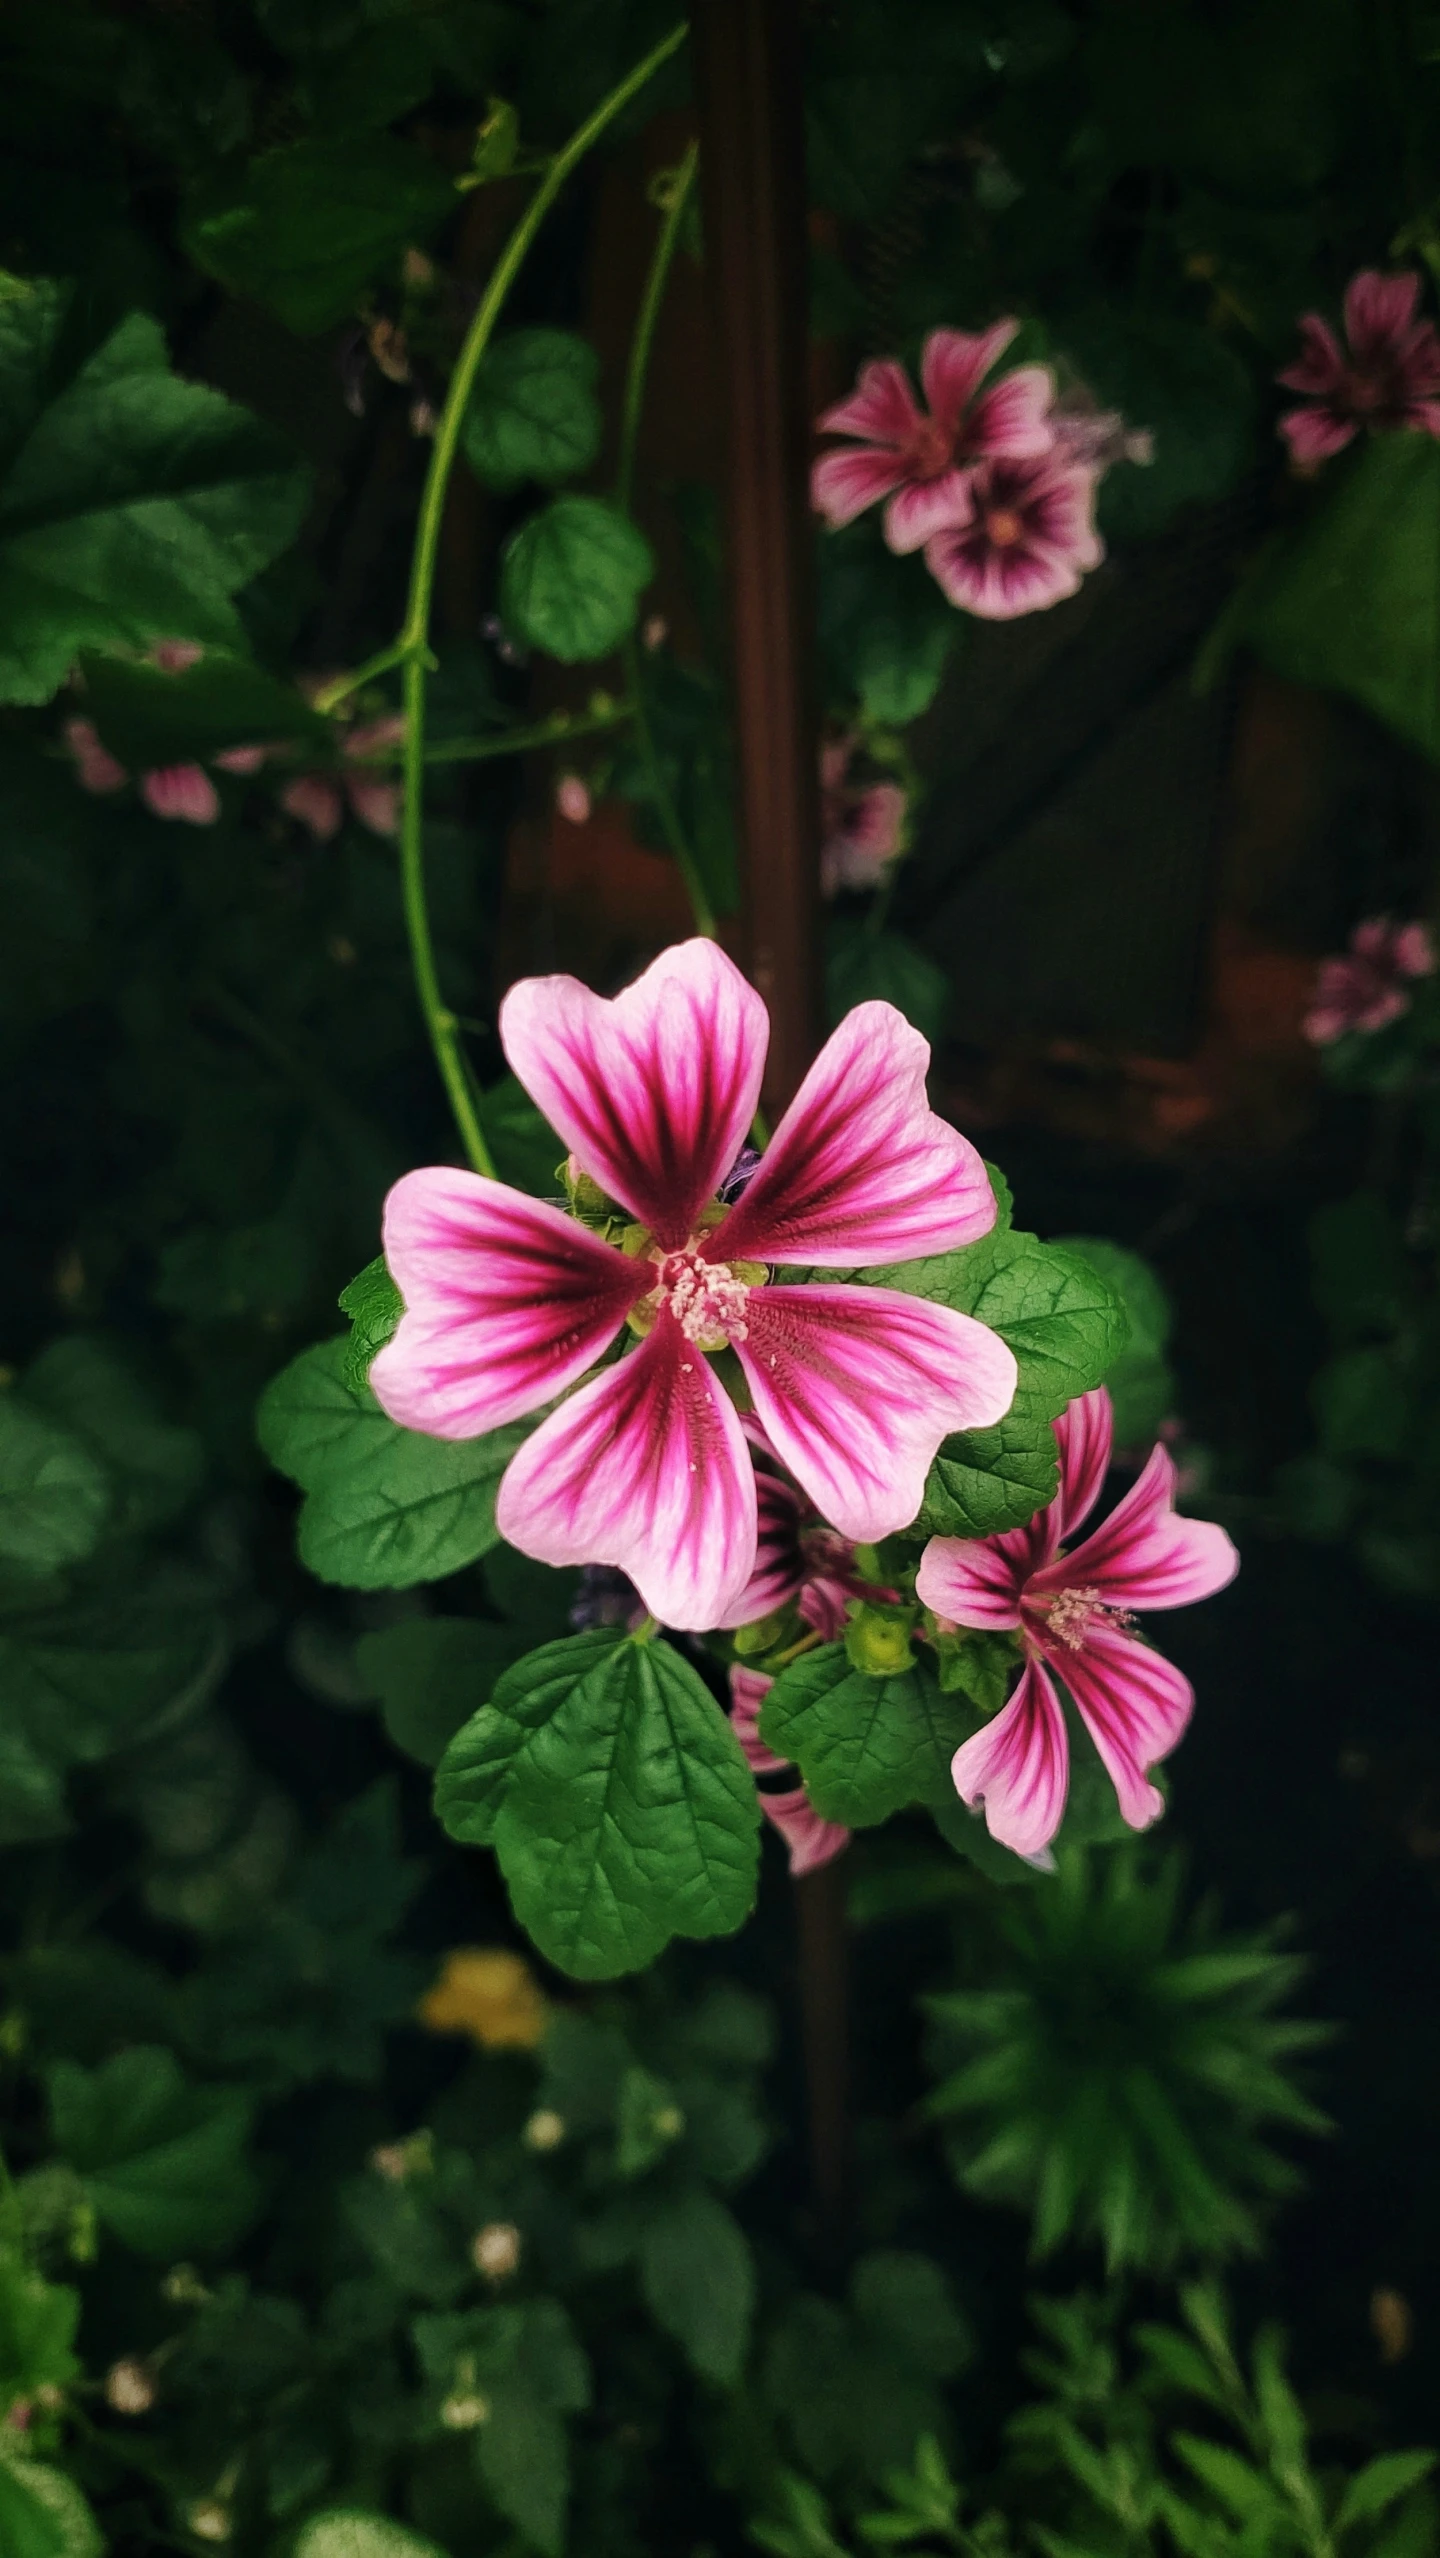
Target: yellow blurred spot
[(491, 1995), (1392, 2324)]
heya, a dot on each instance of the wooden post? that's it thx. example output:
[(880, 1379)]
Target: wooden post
[(748, 70)]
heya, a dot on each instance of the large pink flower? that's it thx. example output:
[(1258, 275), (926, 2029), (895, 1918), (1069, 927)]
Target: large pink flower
[(511, 1303), (1021, 537), (919, 461), (1369, 985), (810, 1841), (1389, 376), (1073, 1613)]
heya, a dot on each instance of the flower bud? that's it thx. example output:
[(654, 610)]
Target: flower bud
[(130, 2387), (463, 2410), (545, 2129), (495, 2251), (877, 1641), (209, 2519)]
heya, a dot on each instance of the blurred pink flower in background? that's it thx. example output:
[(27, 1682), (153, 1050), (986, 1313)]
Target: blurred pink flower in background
[(320, 798), (810, 1841), (862, 823), (1386, 376), (1021, 536), (1369, 985), (918, 459), (1073, 1613), (173, 790), (572, 799)]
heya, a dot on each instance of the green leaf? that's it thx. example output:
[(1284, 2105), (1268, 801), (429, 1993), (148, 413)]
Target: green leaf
[(526, 1149), (55, 1495), (82, 1681), (865, 1747), (1361, 1404), (37, 2332), (89, 1385), (1187, 388), (162, 2162), (863, 967), (904, 2303), (133, 505), (523, 2457), (1375, 2488), (375, 1306), (983, 1481), (616, 1796), (571, 578), (1360, 1272), (533, 413), (43, 2513), (431, 1675), (384, 1507), (1141, 1380), (147, 717), (534, 1597), (698, 2277), (348, 2531), (305, 230)]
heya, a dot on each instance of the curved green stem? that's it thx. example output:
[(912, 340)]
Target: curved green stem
[(636, 373), (555, 731), (412, 650)]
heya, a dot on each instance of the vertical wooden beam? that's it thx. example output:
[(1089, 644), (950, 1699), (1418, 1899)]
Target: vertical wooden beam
[(748, 70)]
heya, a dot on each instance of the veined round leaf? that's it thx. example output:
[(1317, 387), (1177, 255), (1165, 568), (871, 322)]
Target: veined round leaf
[(533, 413), (571, 578), (349, 2532), (55, 1497), (865, 1747)]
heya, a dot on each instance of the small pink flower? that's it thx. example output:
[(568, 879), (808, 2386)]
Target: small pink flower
[(1073, 1614), (1021, 540), (511, 1303), (797, 1557), (319, 799), (1387, 377), (244, 760), (810, 1841), (1366, 988), (95, 767), (920, 461), (181, 790), (572, 800), (862, 824)]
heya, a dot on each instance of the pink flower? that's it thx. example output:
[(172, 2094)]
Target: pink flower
[(1073, 1614), (572, 799), (1366, 987), (796, 1557), (862, 824), (811, 1841), (920, 462), (181, 790), (1389, 378), (319, 799), (511, 1303), (1021, 538), (95, 766)]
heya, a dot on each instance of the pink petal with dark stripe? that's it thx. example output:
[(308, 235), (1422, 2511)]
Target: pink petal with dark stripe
[(860, 1169), (1145, 1555), (923, 507), (645, 1468), (1018, 1767), (856, 1388), (1084, 1435), (779, 1566), (1379, 310), (977, 1581), (844, 483), (881, 409), (1013, 416), (653, 1092), (748, 1691), (508, 1302), (810, 1841), (954, 363), (1135, 1705)]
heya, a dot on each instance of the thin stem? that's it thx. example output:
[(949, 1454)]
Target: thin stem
[(333, 694), (636, 375), (555, 731), (412, 649)]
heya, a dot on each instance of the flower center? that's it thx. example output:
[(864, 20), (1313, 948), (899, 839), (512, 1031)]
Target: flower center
[(1070, 1614), (931, 451), (706, 1298), (1004, 526)]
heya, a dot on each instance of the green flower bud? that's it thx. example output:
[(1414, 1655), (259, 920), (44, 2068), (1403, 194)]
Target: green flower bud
[(877, 1640)]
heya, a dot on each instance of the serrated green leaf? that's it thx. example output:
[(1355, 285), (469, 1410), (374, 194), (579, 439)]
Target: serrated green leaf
[(431, 1676), (984, 1481), (698, 2277), (865, 1747), (162, 2162), (375, 1306), (384, 1508), (134, 505), (571, 578), (305, 229), (617, 1799), (533, 413)]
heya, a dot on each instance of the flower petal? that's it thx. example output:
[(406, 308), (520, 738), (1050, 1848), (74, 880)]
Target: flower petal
[(95, 767), (375, 802), (810, 1841), (315, 800), (844, 483), (508, 1302), (954, 363), (856, 1388), (779, 1567), (976, 1581), (1145, 1555), (1018, 1766), (181, 790), (1136, 1705), (881, 408), (1378, 311), (1084, 1434), (1319, 368), (654, 1091), (748, 1691), (1314, 434), (860, 1169), (1013, 416), (645, 1468), (923, 507)]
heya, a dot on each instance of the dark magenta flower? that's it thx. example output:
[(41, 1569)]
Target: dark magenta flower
[(1368, 986), (1021, 537), (1387, 374), (918, 459)]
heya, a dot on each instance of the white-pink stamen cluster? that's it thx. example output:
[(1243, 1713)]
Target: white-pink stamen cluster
[(705, 1298), (1069, 1615)]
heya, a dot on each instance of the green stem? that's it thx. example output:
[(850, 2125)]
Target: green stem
[(333, 694), (555, 731), (412, 648), (636, 374)]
